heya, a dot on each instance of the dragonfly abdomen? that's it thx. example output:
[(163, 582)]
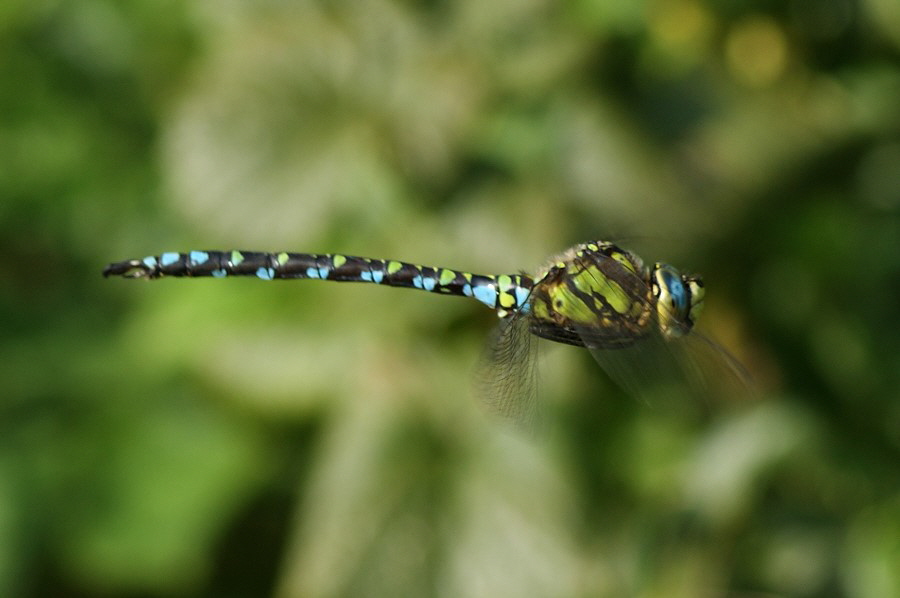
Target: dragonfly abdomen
[(504, 292)]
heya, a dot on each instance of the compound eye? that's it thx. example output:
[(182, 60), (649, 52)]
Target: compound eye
[(674, 288), (674, 301)]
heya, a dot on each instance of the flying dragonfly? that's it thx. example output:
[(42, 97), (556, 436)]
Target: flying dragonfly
[(595, 295)]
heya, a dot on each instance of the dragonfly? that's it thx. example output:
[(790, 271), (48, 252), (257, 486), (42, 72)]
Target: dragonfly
[(595, 295)]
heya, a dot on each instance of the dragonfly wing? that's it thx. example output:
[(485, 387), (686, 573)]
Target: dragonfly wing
[(642, 368), (711, 370), (506, 378), (654, 367)]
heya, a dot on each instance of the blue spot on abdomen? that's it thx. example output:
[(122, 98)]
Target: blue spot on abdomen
[(486, 294), (522, 296), (169, 258)]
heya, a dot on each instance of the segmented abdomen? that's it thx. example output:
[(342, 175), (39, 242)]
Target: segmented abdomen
[(505, 292)]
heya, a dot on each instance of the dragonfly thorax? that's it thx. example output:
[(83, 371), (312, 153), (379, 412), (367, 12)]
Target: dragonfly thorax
[(597, 295)]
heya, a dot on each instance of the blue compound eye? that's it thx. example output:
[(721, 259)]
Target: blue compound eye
[(676, 290), (674, 301)]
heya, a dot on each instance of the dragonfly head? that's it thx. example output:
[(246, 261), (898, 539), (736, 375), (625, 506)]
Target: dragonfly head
[(679, 299)]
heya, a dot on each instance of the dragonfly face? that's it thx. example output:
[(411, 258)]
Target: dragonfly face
[(679, 299)]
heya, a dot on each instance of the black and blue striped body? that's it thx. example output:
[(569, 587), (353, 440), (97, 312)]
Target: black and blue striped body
[(505, 292)]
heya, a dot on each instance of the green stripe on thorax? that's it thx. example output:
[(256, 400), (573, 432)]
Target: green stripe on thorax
[(594, 286)]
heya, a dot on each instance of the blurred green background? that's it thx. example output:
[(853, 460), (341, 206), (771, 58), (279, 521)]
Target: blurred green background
[(239, 438)]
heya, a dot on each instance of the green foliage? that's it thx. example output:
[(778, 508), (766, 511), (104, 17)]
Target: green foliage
[(239, 438)]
